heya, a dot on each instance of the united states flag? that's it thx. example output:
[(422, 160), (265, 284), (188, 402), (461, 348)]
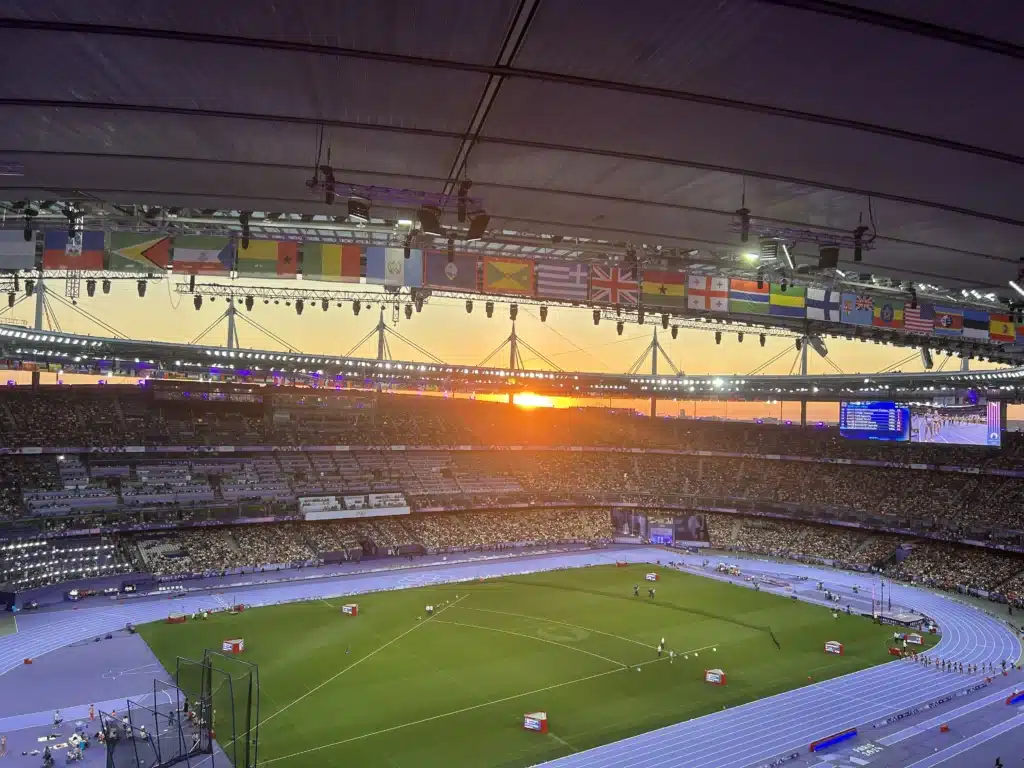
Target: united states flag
[(920, 319), (562, 280)]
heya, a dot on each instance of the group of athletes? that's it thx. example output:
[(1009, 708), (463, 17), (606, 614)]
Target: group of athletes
[(947, 665)]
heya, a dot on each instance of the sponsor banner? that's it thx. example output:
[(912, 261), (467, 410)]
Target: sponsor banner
[(834, 646), (356, 514)]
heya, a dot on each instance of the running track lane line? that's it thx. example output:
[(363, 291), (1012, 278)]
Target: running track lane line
[(360, 660), (969, 743), (531, 637), (974, 706)]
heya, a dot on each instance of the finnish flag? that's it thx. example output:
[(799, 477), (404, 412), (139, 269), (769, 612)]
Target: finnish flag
[(823, 304)]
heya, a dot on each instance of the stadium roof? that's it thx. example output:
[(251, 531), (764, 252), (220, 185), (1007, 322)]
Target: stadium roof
[(64, 352), (651, 126)]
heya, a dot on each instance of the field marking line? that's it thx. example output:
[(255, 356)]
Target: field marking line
[(460, 711), (329, 605), (563, 623), (531, 637), (563, 742), (360, 660)]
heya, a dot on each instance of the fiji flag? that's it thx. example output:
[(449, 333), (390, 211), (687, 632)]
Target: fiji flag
[(857, 309), (823, 304)]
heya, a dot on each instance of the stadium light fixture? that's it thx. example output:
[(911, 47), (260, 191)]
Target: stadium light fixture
[(618, 327), (142, 289), (762, 340), (324, 304), (489, 308), (640, 315), (30, 287), (356, 306), (359, 210), (197, 302), (430, 220), (11, 298), (718, 337), (106, 286), (664, 322), (744, 216), (739, 337), (597, 316), (543, 314), (299, 306), (513, 312), (248, 303), (469, 306), (675, 331), (478, 223), (90, 288), (408, 311)]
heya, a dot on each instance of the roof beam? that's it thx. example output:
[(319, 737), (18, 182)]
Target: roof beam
[(500, 141), (505, 72), (903, 24)]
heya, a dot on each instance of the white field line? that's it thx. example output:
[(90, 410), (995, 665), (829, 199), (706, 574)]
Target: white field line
[(473, 707), (359, 661), (328, 604), (531, 637), (563, 742), (563, 623)]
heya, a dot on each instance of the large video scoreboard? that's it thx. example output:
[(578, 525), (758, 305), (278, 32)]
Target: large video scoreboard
[(874, 421)]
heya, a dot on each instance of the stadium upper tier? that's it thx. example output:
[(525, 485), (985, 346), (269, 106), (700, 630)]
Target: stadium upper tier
[(166, 414), (145, 359)]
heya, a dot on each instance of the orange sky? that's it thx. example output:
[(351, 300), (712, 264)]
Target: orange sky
[(569, 338)]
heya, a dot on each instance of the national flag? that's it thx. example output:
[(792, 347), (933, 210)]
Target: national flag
[(563, 280), (707, 293), (663, 289), (459, 274), (949, 321), (790, 301), (1019, 341), (15, 251), (857, 309), (614, 285), (887, 314), (746, 297), (976, 323), (200, 255), (505, 275), (920, 319), (388, 266), (1002, 328), (330, 261), (823, 304), (138, 251), (268, 258), (83, 251)]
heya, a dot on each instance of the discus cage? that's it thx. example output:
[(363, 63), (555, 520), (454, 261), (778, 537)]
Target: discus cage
[(208, 717)]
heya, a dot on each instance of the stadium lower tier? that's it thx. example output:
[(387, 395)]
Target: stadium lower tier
[(581, 675), (29, 565)]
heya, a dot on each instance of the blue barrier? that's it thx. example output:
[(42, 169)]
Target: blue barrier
[(1016, 698), (831, 741)]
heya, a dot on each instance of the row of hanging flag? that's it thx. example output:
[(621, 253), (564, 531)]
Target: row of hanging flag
[(545, 279)]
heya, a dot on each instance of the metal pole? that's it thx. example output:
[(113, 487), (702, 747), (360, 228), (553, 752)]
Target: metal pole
[(803, 372), (381, 340), (513, 349), (232, 331), (965, 364), (40, 311), (40, 301), (654, 370)]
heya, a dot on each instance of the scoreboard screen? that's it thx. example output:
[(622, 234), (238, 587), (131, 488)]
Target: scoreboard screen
[(874, 421)]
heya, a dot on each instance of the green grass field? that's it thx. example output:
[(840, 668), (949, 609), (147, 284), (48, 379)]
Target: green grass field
[(451, 690)]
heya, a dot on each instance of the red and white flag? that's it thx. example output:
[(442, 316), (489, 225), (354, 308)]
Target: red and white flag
[(614, 285), (708, 293)]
